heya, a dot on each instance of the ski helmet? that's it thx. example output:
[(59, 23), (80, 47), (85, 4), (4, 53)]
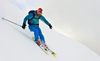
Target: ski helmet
[(40, 10)]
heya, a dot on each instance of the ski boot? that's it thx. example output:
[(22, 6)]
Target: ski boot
[(45, 47), (38, 42)]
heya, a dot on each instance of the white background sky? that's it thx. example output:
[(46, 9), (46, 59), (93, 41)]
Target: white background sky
[(77, 19)]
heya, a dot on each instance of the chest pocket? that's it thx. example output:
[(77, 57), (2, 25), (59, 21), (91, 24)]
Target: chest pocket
[(37, 17)]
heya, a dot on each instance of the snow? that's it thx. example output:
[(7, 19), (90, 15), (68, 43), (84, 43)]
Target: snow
[(16, 44)]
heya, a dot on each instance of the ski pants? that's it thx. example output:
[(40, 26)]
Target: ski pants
[(37, 33)]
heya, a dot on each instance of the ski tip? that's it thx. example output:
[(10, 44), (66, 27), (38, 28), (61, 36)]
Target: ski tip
[(46, 52), (54, 54)]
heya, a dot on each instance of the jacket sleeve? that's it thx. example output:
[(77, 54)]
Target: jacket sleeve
[(44, 20), (27, 17)]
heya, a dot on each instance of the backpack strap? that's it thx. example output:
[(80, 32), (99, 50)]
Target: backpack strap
[(32, 11)]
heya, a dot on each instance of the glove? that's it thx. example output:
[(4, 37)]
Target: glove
[(23, 26), (50, 26)]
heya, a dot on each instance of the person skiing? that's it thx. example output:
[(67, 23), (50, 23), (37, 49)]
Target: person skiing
[(33, 22)]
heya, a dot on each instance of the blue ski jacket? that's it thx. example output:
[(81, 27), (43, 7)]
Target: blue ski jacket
[(35, 20)]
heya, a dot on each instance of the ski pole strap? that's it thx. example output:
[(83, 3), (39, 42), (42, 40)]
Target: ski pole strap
[(11, 22)]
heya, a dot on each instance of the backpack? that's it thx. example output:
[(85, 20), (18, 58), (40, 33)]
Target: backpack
[(32, 11)]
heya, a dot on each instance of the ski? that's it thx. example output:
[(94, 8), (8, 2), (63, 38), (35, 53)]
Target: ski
[(41, 47), (45, 50), (53, 53)]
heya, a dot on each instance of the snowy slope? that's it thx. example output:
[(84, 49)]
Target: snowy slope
[(16, 44)]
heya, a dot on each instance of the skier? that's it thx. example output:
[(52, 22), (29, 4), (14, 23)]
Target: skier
[(33, 22)]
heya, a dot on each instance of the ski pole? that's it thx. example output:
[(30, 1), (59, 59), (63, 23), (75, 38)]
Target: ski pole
[(11, 22)]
